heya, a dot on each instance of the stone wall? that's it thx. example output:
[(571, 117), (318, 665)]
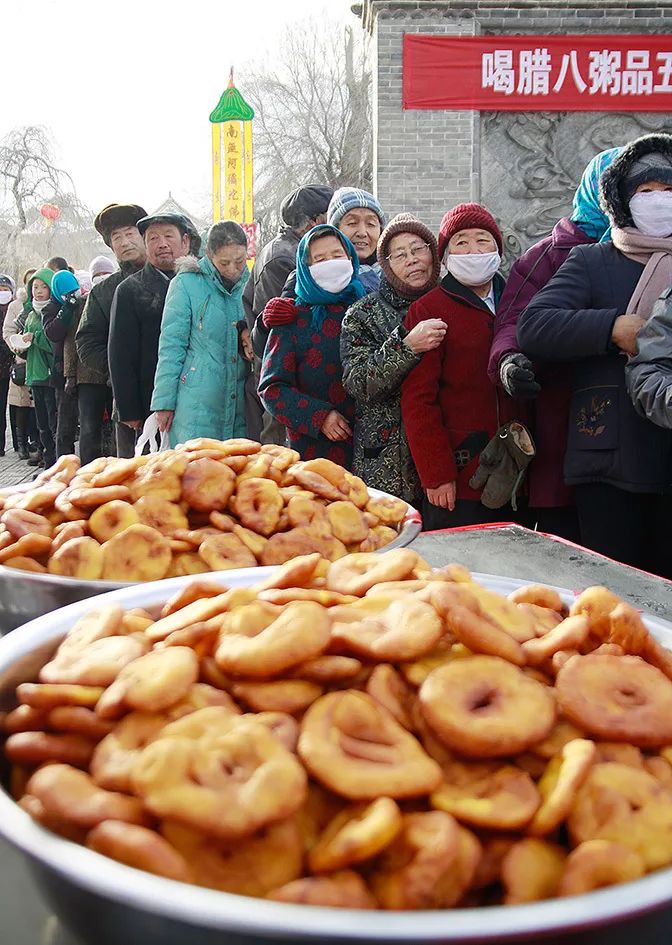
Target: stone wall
[(523, 165)]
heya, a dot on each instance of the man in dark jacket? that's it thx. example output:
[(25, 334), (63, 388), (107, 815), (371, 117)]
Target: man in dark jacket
[(137, 309), (301, 211), (117, 224)]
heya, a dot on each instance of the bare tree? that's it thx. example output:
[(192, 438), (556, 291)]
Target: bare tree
[(29, 177), (312, 116)]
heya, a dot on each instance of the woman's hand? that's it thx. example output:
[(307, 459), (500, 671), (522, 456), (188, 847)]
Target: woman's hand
[(336, 427), (426, 335), (443, 496), (164, 418), (625, 331)]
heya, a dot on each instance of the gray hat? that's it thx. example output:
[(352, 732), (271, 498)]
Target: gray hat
[(310, 201), (184, 224), (649, 167)]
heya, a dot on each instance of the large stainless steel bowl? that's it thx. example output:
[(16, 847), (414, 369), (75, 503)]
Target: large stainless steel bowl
[(111, 904), (25, 595)]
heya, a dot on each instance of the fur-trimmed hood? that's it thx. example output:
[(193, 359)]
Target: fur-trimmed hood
[(187, 264), (613, 194)]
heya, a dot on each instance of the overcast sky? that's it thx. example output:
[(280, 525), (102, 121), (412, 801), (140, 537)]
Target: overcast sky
[(126, 86)]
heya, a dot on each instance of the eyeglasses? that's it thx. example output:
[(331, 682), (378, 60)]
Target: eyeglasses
[(414, 251)]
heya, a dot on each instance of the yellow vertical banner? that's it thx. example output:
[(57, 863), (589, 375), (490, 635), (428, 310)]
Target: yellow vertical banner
[(216, 172), (232, 170), (248, 215)]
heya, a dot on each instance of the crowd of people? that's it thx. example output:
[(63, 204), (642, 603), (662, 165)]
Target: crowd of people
[(544, 398)]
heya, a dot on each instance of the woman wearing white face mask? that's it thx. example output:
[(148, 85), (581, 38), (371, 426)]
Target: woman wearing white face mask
[(591, 314), (449, 406), (301, 372)]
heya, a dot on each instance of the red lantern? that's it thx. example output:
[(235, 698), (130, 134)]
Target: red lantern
[(50, 212)]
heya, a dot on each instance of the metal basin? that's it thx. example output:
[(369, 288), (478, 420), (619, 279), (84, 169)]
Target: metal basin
[(111, 904), (25, 595)]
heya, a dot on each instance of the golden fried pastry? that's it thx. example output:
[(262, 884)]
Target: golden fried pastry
[(258, 505), (81, 558), (261, 640), (599, 863), (140, 848), (71, 794), (208, 485), (617, 699), (249, 867), (166, 517), (299, 542), (224, 552), (160, 476), (343, 890), (560, 784), (22, 563), (353, 746), (386, 630), (224, 783), (481, 795), (429, 866), (357, 573), (20, 522), (151, 683), (532, 870), (356, 834), (139, 553), (485, 707)]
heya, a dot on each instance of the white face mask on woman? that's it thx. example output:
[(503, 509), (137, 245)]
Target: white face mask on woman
[(5, 296), (472, 268), (332, 275), (652, 212)]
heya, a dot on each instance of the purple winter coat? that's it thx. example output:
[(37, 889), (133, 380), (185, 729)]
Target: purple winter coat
[(550, 410)]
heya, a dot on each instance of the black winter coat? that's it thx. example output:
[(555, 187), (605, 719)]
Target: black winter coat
[(94, 327), (571, 319), (133, 348), (271, 268)]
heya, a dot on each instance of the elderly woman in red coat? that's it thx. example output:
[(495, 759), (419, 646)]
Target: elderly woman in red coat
[(449, 406)]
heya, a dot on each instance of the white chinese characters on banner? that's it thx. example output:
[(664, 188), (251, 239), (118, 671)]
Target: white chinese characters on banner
[(606, 74)]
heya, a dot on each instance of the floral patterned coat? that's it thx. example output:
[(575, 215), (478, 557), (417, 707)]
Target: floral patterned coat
[(375, 362), (301, 382)]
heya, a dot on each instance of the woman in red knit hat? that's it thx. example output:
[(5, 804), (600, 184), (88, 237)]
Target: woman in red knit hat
[(449, 406)]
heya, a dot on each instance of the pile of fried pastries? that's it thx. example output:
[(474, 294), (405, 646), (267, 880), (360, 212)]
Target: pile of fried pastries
[(366, 733), (209, 505)]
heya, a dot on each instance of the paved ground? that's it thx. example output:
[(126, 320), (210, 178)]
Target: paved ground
[(14, 470)]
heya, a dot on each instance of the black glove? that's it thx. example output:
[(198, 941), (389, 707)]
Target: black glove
[(517, 376)]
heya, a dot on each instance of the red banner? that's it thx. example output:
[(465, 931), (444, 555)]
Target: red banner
[(538, 73)]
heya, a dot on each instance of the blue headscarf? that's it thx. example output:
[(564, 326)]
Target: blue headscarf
[(308, 291), (588, 214)]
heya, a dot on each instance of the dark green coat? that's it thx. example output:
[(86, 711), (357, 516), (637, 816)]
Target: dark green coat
[(375, 362)]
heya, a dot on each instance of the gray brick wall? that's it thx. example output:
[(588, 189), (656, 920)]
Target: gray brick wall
[(427, 161)]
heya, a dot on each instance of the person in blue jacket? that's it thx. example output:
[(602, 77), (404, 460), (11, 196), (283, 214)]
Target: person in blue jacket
[(200, 376)]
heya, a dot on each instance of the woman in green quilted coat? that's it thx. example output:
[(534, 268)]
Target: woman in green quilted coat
[(200, 376), (377, 353)]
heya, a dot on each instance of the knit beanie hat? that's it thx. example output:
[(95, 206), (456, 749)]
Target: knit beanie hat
[(351, 198), (7, 282), (102, 266), (467, 216), (407, 223)]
